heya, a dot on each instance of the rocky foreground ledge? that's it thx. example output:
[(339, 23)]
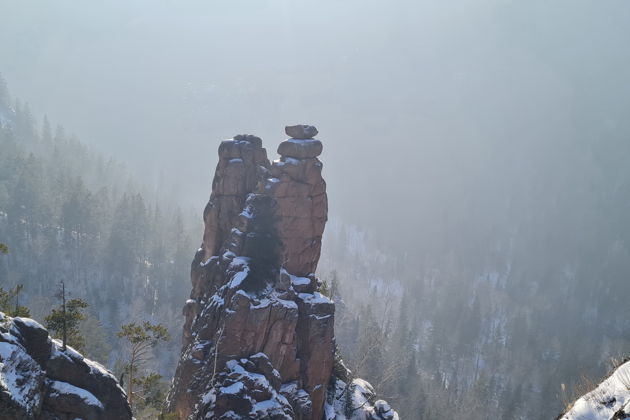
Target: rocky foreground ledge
[(610, 400), (258, 340), (40, 381)]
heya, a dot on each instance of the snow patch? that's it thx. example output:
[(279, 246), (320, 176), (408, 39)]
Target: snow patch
[(31, 323), (300, 281), (17, 371), (314, 298), (64, 388), (235, 388), (302, 141)]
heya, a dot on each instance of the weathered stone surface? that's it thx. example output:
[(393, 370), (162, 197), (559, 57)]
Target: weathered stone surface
[(35, 339), (242, 164), (246, 388), (40, 381), (255, 315), (302, 205), (62, 397), (301, 131), (357, 397), (299, 400), (300, 149)]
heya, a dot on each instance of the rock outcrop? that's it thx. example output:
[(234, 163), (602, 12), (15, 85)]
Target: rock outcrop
[(40, 381), (258, 338), (610, 400)]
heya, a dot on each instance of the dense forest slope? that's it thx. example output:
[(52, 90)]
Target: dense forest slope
[(68, 214), (509, 286)]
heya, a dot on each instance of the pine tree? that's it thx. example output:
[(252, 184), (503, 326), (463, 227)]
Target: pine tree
[(10, 302), (64, 321), (140, 340)]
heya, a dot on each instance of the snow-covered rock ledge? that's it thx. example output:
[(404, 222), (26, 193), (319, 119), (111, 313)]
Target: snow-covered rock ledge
[(40, 381), (609, 401)]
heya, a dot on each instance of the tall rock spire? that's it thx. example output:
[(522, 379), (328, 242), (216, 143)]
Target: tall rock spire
[(258, 338)]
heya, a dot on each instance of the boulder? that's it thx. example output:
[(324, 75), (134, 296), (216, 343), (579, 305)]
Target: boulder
[(38, 380), (34, 338), (301, 131), (300, 149)]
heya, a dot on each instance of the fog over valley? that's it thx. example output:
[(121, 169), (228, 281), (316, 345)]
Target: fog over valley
[(476, 256), (415, 99)]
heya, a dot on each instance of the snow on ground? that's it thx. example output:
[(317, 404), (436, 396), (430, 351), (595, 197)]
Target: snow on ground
[(610, 398)]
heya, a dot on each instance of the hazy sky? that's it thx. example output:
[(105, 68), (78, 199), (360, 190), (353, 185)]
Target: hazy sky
[(420, 103)]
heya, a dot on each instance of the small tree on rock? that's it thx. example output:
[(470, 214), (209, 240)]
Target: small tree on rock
[(141, 339), (64, 321)]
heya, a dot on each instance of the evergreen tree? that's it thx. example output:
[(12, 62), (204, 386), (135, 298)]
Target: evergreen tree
[(140, 338), (10, 302), (64, 321)]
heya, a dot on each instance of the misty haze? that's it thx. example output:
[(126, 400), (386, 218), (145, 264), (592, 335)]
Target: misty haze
[(338, 210)]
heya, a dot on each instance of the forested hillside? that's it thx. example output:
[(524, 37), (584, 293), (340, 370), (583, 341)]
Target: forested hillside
[(513, 299), (69, 214)]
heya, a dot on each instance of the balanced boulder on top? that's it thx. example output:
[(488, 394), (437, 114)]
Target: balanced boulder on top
[(301, 131)]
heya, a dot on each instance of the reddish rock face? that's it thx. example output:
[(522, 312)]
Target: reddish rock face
[(258, 339), (242, 164), (300, 193)]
